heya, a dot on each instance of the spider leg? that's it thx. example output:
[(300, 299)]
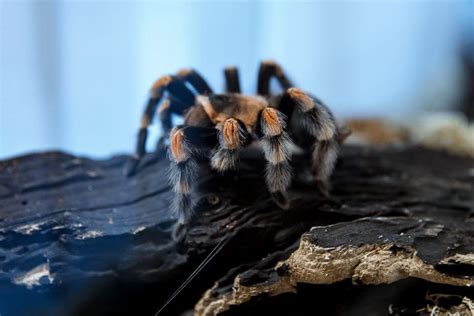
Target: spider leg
[(177, 88), (176, 106), (320, 124), (196, 80), (267, 71), (232, 136), (186, 143), (165, 111), (324, 159), (276, 147), (232, 80)]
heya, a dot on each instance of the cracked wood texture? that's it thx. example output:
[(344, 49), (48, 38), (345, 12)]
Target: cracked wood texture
[(77, 237)]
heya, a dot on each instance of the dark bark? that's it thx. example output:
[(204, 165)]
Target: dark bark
[(104, 241)]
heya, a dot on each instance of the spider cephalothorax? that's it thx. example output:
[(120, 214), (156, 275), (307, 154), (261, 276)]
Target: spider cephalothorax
[(220, 125)]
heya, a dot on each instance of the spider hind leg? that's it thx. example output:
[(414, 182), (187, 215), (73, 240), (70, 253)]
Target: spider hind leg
[(268, 70), (232, 80)]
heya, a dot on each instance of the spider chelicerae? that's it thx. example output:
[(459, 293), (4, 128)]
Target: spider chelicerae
[(221, 125)]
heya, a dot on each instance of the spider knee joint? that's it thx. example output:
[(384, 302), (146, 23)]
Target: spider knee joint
[(231, 137), (273, 123), (274, 65), (316, 118), (184, 72), (231, 134), (144, 122), (304, 102), (178, 146), (159, 84)]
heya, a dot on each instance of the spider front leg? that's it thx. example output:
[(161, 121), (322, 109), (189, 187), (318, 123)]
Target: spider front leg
[(320, 124), (185, 144), (276, 147), (232, 136)]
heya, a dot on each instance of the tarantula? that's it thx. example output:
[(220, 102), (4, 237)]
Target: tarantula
[(220, 125)]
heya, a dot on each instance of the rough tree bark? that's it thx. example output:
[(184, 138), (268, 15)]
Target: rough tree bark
[(78, 237)]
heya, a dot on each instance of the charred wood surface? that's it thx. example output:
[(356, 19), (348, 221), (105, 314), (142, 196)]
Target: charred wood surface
[(79, 237)]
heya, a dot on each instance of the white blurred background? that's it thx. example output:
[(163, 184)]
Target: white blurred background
[(74, 75)]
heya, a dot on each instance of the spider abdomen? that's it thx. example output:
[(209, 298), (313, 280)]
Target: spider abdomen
[(240, 107)]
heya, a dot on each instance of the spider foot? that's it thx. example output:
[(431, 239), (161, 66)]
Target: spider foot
[(323, 187), (179, 233), (161, 144), (131, 166), (281, 199)]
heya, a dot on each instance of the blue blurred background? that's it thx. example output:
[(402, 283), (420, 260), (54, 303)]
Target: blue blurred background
[(75, 74)]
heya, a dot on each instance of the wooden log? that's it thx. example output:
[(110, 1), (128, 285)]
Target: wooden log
[(79, 237)]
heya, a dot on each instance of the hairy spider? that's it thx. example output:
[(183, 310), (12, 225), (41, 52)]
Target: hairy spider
[(220, 125)]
